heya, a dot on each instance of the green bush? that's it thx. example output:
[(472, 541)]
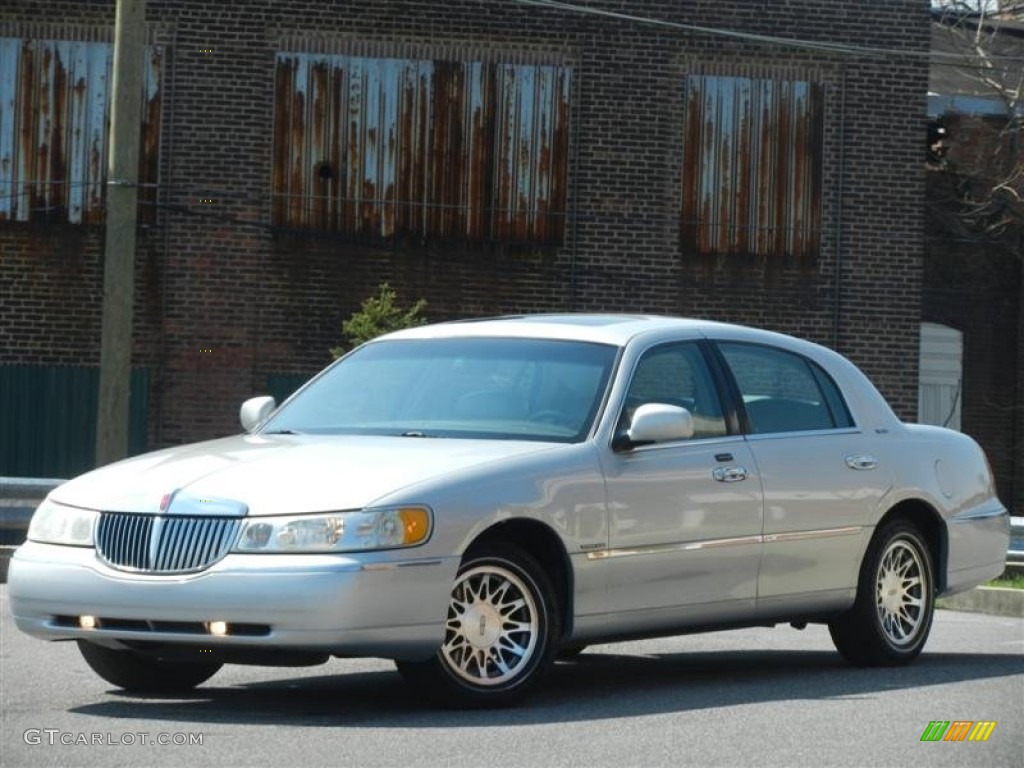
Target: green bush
[(379, 314)]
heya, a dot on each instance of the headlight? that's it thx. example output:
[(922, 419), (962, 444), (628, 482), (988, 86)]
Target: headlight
[(337, 531), (55, 523)]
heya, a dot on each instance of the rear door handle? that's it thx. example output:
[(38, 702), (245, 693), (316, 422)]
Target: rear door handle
[(729, 474), (861, 461)]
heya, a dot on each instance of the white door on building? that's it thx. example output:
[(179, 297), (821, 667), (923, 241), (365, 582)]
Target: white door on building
[(940, 388)]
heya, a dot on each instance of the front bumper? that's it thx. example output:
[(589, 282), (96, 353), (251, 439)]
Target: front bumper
[(352, 605)]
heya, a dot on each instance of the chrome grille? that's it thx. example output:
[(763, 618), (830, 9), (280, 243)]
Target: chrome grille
[(163, 544)]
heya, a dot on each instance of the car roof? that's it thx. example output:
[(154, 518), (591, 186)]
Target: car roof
[(612, 329)]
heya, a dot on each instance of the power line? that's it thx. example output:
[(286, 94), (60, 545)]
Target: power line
[(32, 187), (787, 42), (747, 36)]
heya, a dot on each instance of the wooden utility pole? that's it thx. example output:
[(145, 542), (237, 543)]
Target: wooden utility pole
[(119, 258)]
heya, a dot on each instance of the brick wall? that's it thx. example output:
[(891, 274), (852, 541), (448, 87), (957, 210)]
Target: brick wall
[(975, 283), (976, 289), (269, 302)]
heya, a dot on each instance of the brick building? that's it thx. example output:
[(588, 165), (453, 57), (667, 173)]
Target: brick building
[(973, 279), (489, 156)]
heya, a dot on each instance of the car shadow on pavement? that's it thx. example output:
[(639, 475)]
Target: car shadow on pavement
[(593, 686)]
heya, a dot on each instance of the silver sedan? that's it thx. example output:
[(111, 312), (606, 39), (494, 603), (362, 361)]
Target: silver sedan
[(473, 499)]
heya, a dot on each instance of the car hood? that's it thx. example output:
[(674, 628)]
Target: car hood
[(280, 474)]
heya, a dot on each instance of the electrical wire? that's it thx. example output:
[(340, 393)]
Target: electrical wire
[(29, 185), (787, 42)]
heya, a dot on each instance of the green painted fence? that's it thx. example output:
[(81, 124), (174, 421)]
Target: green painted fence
[(48, 419), (281, 385)]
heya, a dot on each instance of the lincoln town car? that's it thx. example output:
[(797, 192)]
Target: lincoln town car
[(474, 499)]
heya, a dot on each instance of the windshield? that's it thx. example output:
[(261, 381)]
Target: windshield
[(506, 389)]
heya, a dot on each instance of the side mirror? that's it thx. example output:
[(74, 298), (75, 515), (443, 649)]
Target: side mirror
[(660, 423), (255, 410)]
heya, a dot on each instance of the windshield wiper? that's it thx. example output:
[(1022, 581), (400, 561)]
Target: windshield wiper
[(415, 433), (281, 432)]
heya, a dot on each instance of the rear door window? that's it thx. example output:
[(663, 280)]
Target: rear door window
[(784, 392)]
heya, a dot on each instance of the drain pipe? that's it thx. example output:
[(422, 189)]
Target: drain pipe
[(163, 194), (573, 220), (837, 288)]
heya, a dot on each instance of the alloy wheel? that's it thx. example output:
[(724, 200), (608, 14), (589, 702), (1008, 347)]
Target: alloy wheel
[(901, 589), (492, 627)]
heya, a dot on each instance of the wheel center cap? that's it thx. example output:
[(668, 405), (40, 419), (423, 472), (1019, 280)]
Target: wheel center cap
[(481, 625), (891, 593)]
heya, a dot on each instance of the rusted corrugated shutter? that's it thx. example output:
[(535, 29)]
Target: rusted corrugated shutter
[(752, 166), (54, 118), (417, 149), (533, 147)]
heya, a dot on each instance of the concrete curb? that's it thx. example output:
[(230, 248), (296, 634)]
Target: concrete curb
[(995, 601)]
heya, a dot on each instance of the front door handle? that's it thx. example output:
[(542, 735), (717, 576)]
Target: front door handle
[(729, 474), (861, 461)]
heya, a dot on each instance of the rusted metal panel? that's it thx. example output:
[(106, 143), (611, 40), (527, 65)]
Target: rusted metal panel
[(9, 54), (752, 166), (54, 125), (417, 149)]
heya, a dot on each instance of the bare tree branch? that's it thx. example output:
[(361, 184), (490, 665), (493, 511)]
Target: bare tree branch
[(985, 162)]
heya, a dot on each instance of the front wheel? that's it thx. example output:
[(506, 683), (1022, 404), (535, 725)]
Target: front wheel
[(501, 632), (135, 672), (892, 616)]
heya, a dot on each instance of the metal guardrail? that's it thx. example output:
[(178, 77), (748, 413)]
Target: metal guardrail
[(1015, 554), (19, 496)]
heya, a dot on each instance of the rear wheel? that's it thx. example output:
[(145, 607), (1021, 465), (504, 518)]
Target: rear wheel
[(135, 672), (892, 616), (500, 634)]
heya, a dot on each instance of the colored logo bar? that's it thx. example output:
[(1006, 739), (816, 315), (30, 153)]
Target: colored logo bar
[(958, 730)]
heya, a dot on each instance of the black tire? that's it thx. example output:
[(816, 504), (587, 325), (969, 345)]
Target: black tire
[(501, 632), (892, 615), (135, 672)]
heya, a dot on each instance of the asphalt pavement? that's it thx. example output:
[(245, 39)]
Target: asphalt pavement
[(758, 697)]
